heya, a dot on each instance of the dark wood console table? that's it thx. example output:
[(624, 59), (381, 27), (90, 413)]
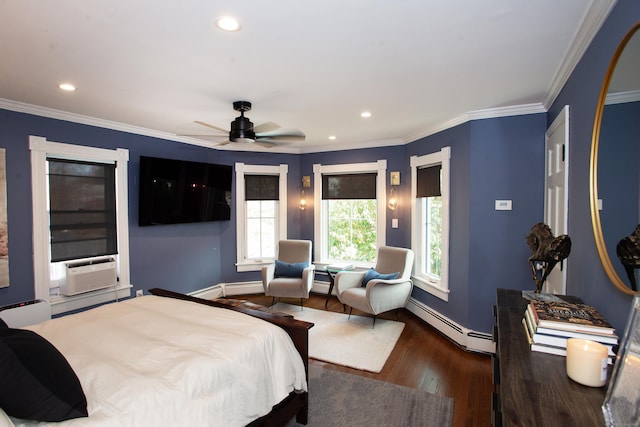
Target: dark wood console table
[(531, 388)]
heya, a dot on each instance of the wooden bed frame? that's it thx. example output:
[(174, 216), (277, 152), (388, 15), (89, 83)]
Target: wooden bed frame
[(296, 404)]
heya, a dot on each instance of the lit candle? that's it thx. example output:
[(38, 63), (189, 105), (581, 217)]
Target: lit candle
[(587, 362)]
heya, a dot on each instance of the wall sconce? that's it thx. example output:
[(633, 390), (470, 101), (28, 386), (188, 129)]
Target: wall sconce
[(306, 183), (394, 181)]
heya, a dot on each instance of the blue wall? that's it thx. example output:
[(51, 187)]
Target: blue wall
[(585, 274), (491, 159)]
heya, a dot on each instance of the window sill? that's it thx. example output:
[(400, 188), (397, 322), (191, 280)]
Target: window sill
[(252, 266), (431, 288), (61, 304)]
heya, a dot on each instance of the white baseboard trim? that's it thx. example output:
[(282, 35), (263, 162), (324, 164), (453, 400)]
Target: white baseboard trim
[(470, 340), (467, 338)]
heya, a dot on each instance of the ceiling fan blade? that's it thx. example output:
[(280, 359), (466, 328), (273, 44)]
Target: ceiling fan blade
[(285, 137), (201, 135), (266, 127), (211, 126), (265, 144)]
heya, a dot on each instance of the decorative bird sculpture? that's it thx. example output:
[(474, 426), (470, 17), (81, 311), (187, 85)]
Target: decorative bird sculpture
[(546, 250), (628, 251)]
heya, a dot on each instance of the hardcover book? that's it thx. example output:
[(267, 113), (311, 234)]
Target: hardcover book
[(553, 349), (568, 316), (561, 341)]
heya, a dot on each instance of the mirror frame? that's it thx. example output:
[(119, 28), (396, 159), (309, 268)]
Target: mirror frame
[(593, 170)]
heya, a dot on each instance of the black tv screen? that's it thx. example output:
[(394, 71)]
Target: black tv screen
[(179, 191)]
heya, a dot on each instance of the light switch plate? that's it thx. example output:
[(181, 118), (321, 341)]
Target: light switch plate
[(503, 205), (394, 223)]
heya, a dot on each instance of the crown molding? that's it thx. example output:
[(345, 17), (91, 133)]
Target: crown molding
[(490, 113), (595, 16), (622, 97), (51, 113)]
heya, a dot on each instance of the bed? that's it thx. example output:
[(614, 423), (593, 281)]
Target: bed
[(172, 359)]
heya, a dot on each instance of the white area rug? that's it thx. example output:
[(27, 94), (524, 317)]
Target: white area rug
[(349, 342)]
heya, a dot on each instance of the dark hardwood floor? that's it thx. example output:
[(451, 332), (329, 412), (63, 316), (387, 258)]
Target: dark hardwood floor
[(424, 359)]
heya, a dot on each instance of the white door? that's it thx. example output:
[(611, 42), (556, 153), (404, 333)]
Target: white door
[(556, 183)]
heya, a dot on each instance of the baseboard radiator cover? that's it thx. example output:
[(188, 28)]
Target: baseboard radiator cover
[(212, 292), (469, 339), (89, 276)]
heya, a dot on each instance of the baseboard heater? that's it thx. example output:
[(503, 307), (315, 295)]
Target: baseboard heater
[(89, 276)]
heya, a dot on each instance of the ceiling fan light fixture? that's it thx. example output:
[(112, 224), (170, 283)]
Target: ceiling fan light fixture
[(228, 23), (242, 130)]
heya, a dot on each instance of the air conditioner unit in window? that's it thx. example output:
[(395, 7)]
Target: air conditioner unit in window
[(89, 276)]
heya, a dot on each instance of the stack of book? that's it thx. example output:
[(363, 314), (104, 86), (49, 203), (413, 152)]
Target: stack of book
[(549, 324)]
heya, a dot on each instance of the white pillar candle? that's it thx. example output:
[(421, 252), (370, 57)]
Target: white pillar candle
[(587, 362)]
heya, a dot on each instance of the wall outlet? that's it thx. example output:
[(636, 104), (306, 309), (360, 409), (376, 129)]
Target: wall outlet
[(139, 293)]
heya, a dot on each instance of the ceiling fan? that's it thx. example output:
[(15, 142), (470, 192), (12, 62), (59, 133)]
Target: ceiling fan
[(243, 131)]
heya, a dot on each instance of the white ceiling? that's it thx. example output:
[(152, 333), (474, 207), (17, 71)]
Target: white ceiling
[(154, 67)]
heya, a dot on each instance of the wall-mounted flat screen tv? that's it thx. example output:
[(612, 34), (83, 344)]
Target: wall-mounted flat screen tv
[(179, 191)]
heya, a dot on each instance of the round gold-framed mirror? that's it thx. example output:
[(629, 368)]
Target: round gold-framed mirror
[(597, 145)]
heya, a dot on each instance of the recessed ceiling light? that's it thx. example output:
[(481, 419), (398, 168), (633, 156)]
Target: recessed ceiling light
[(365, 114), (228, 23), (67, 86), (332, 137)]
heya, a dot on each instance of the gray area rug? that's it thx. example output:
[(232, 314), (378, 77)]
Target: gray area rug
[(340, 399)]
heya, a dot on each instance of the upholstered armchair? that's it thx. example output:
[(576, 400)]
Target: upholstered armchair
[(292, 274), (383, 288)]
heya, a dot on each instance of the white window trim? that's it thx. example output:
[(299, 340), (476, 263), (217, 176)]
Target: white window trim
[(319, 218), (438, 288), (40, 150), (241, 227)]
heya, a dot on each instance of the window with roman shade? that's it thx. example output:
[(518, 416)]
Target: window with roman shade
[(82, 209), (349, 212), (261, 215), (430, 221)]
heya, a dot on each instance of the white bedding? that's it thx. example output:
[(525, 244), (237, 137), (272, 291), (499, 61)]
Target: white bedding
[(156, 361)]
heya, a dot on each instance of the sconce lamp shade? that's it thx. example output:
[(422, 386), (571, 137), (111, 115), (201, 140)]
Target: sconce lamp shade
[(303, 201), (393, 200)]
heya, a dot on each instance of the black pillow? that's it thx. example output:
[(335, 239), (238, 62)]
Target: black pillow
[(37, 381)]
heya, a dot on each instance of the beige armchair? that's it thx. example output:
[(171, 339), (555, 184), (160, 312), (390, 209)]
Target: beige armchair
[(292, 274), (379, 294)]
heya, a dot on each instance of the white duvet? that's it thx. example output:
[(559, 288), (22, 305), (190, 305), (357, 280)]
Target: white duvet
[(156, 361)]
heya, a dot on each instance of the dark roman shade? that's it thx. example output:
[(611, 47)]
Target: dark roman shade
[(428, 181), (349, 186), (262, 187), (82, 209)]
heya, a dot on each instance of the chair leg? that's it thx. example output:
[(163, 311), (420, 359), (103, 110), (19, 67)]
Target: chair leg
[(273, 301), (374, 321), (301, 304), (350, 310)]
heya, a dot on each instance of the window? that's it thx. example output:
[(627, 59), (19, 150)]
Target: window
[(351, 222), (430, 182), (261, 213), (80, 212), (82, 209)]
